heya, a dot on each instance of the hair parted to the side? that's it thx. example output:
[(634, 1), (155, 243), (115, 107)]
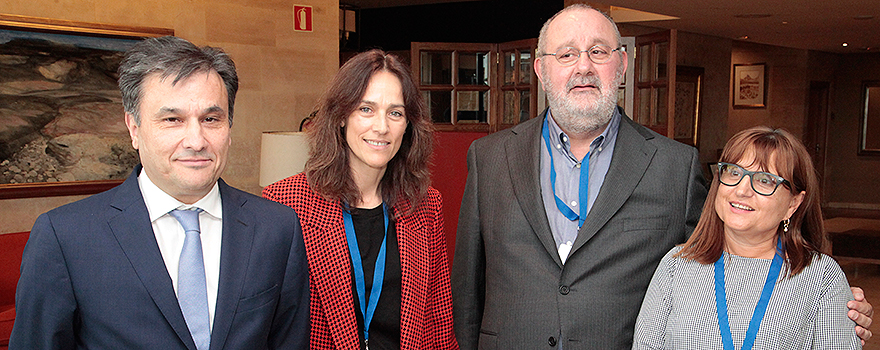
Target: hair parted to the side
[(171, 56), (806, 235), (328, 172)]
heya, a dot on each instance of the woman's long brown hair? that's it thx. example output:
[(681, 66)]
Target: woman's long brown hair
[(328, 172)]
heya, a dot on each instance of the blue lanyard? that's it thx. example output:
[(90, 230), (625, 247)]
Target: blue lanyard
[(583, 189), (760, 308), (367, 309)]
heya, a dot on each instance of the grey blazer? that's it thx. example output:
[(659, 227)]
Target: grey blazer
[(510, 289)]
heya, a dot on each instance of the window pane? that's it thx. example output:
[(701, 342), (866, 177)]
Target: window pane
[(509, 107), (439, 105), (473, 107), (473, 68), (644, 106), (661, 106), (645, 63), (525, 66), (524, 97), (662, 51), (436, 68), (509, 67)]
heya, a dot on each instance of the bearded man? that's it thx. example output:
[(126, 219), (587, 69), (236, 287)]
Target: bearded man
[(565, 217)]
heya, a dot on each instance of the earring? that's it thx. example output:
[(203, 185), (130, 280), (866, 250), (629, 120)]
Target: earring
[(785, 225)]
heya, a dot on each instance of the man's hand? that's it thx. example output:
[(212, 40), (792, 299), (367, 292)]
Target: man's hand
[(860, 310)]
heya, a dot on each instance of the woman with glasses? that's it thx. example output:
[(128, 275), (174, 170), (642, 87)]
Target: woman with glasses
[(372, 224), (754, 274)]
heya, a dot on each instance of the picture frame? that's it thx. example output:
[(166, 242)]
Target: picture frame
[(749, 85), (43, 58), (688, 99), (869, 128)]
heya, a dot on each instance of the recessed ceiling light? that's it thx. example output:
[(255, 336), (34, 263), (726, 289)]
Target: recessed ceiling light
[(863, 17), (744, 37), (784, 22), (845, 44), (753, 15)]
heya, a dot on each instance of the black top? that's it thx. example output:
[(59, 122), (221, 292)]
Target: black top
[(369, 228)]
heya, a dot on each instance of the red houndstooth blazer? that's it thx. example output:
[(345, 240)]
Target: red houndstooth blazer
[(426, 302)]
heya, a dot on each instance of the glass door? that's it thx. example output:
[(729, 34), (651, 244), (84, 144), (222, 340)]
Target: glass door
[(655, 78), (519, 84), (476, 87)]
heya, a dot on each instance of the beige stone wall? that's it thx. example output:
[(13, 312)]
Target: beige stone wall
[(282, 71)]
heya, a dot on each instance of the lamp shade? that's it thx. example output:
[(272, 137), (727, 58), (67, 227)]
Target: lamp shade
[(282, 154)]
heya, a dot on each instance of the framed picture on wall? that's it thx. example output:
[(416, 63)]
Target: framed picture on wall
[(688, 88), (62, 130), (749, 85), (869, 130)]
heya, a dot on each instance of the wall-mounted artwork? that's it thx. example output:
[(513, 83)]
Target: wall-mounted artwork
[(869, 131), (62, 130), (688, 91), (749, 86)]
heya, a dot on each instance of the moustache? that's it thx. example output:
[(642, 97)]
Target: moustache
[(190, 154), (584, 80)]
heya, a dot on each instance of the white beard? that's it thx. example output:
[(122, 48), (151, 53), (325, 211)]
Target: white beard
[(577, 112)]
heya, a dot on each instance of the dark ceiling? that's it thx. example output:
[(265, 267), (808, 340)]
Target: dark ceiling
[(804, 24)]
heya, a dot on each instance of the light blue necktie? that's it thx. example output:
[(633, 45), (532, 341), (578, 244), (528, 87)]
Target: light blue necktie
[(192, 290)]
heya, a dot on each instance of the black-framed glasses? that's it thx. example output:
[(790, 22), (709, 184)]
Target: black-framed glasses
[(763, 183), (567, 56)]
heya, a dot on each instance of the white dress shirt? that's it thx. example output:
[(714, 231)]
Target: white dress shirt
[(170, 234)]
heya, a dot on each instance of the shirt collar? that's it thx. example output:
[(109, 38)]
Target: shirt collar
[(597, 144), (160, 203)]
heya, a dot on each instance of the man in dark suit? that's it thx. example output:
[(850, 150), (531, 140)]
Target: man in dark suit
[(565, 217), (173, 258)]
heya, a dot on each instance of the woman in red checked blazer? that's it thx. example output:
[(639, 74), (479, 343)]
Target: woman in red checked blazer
[(372, 224)]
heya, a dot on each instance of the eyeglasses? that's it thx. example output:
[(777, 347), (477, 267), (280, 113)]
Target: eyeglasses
[(567, 56), (763, 183)]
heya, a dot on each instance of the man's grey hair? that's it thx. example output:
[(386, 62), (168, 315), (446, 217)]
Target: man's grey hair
[(171, 56), (542, 37)]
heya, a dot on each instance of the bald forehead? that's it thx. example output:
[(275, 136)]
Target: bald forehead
[(580, 28)]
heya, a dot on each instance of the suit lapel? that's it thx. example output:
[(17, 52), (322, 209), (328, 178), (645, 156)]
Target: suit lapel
[(411, 237), (524, 164), (632, 155), (328, 254), (132, 229), (235, 251)]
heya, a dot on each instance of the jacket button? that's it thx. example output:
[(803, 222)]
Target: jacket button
[(551, 341), (564, 290)]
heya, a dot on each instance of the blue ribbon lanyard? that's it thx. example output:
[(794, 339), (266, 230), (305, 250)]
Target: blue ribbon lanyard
[(583, 189), (367, 309), (760, 308)]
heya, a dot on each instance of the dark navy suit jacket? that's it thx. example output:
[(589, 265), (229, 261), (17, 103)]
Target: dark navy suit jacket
[(92, 277)]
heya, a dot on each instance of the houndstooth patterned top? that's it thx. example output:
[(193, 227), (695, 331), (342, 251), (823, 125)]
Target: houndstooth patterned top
[(426, 302), (807, 311)]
